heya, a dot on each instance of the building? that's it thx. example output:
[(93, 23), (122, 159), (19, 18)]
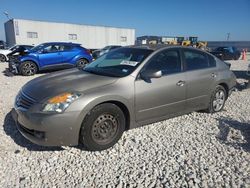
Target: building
[(30, 32)]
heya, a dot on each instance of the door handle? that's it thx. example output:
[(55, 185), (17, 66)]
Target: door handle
[(213, 75), (180, 83)]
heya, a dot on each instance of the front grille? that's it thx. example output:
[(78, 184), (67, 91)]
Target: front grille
[(24, 101)]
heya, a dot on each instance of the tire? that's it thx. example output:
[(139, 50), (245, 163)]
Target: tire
[(81, 63), (2, 58), (102, 127), (236, 58), (217, 100), (28, 68)]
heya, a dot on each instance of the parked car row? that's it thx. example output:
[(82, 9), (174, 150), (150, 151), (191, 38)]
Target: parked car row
[(28, 60)]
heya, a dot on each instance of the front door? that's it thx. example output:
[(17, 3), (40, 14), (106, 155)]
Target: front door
[(50, 56), (164, 96)]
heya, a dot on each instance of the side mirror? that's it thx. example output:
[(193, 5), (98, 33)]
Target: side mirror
[(147, 74)]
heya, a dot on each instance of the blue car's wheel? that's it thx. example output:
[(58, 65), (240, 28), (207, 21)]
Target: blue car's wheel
[(28, 68), (81, 63)]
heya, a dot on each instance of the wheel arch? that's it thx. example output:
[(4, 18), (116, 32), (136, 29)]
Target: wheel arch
[(5, 55), (124, 109), (225, 86), (33, 61), (76, 58)]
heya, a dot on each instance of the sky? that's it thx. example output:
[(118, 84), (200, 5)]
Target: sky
[(210, 20)]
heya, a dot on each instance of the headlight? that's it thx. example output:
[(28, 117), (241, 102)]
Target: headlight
[(60, 102)]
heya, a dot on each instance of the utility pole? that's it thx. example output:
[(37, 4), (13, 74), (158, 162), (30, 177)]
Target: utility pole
[(228, 36)]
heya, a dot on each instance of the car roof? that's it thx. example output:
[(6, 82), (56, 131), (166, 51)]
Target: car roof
[(67, 43)]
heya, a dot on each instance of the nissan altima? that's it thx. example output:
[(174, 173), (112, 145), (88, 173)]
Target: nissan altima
[(123, 89)]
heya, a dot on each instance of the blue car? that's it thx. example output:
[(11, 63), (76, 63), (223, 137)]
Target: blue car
[(53, 55)]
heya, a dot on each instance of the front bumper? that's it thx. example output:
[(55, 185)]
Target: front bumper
[(48, 129), (14, 67)]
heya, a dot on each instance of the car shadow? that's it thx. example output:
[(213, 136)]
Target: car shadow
[(12, 131), (7, 73), (234, 133), (242, 75)]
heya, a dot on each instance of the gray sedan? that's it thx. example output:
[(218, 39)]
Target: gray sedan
[(123, 89)]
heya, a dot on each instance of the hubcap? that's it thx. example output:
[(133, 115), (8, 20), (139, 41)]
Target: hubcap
[(219, 100), (104, 128), (29, 68), (81, 63), (2, 58)]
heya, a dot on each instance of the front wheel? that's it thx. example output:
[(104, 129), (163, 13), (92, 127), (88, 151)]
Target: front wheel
[(217, 100), (81, 63), (102, 127), (2, 58), (28, 68)]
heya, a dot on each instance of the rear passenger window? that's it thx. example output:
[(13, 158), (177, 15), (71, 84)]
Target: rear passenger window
[(65, 48), (212, 61), (195, 60)]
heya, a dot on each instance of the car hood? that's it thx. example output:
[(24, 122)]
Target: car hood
[(5, 52), (71, 80)]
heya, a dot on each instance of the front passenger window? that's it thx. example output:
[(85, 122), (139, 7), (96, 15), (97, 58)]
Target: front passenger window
[(168, 61)]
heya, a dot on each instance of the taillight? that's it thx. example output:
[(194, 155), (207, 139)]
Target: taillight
[(88, 51)]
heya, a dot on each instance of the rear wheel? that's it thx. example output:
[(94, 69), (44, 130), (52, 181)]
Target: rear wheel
[(217, 100), (102, 127), (2, 58), (28, 68), (81, 63)]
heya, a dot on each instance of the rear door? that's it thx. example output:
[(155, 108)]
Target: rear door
[(68, 53), (164, 96), (201, 74)]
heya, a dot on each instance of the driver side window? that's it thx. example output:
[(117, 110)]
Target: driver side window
[(51, 48), (168, 61)]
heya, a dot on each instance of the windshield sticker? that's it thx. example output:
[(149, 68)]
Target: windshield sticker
[(130, 63)]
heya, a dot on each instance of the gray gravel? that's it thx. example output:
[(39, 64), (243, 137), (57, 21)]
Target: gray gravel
[(194, 150)]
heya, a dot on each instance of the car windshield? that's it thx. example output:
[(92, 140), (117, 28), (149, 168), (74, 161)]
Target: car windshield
[(118, 63)]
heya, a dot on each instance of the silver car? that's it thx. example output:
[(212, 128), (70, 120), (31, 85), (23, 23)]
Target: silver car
[(124, 89)]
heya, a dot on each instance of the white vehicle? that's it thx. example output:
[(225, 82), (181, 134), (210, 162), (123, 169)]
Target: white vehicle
[(5, 52)]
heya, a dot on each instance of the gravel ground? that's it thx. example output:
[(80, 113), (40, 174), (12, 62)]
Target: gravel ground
[(194, 150)]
